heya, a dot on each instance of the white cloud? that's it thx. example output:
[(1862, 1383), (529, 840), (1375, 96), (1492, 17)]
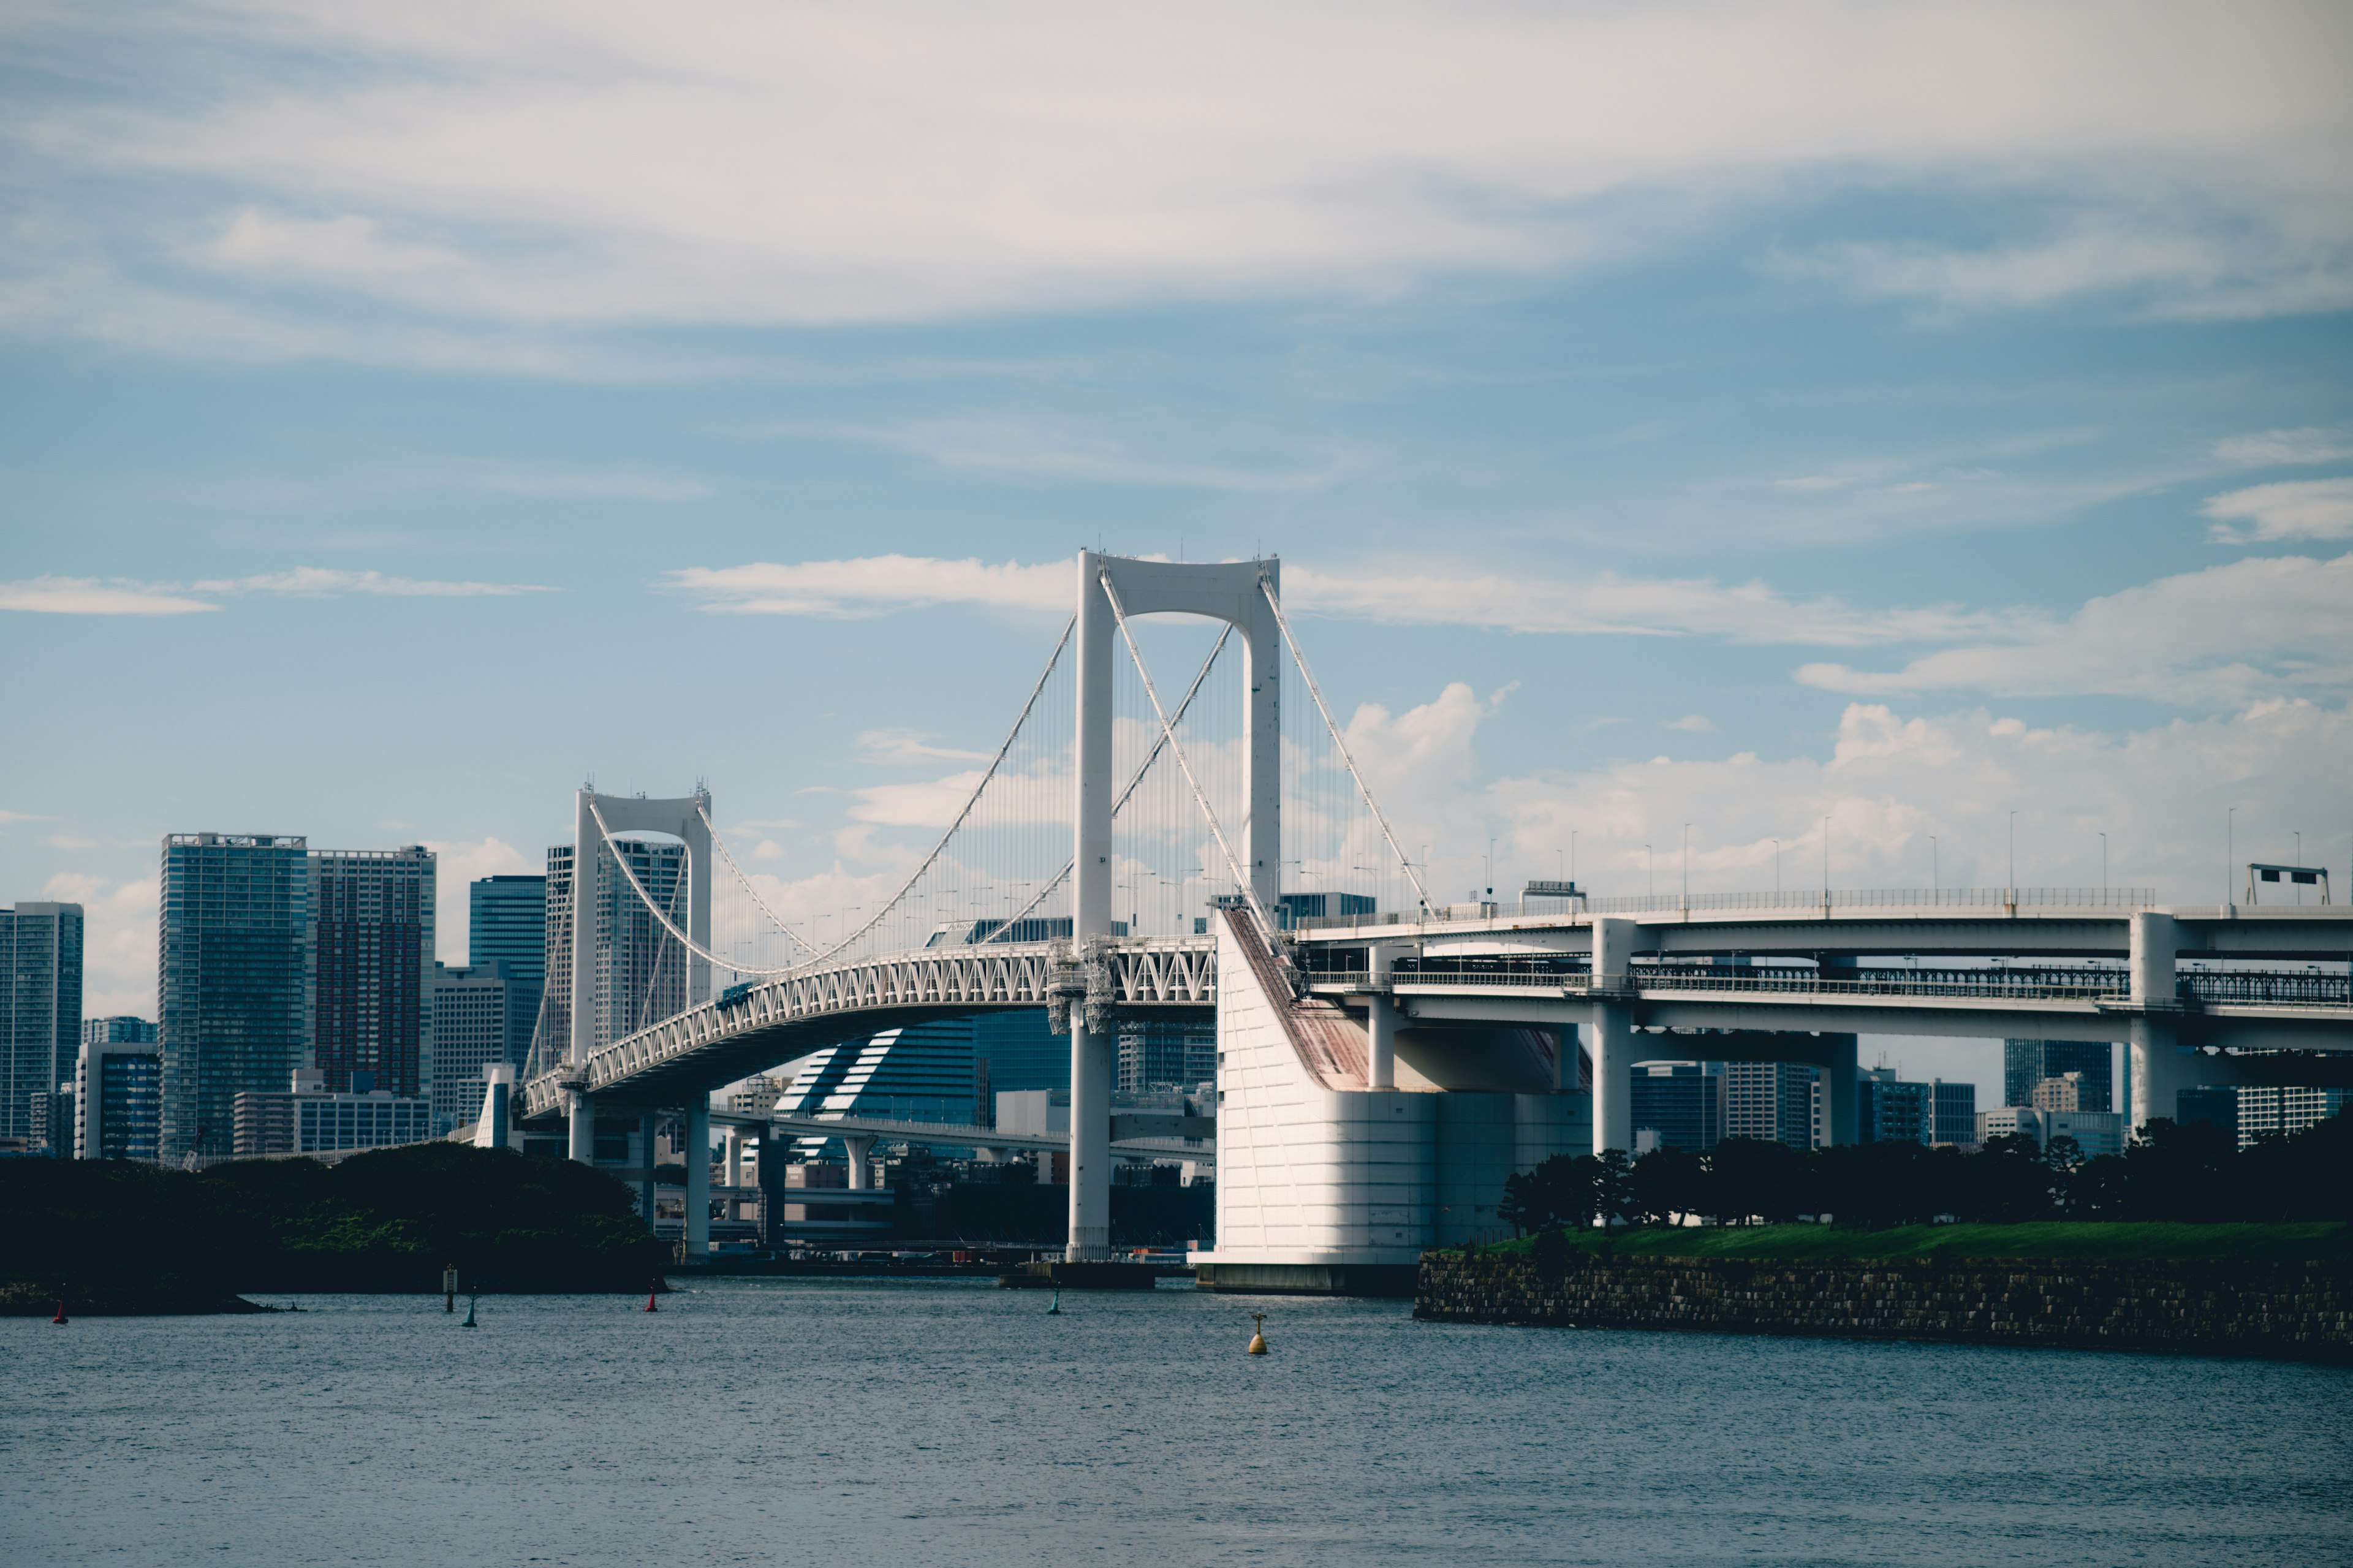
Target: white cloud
[(525, 164), (118, 597), (873, 586), (118, 942), (88, 596), (9, 816), (324, 581), (457, 864), (2299, 509), (932, 803), (1888, 782), (900, 747), (1517, 602), (2218, 637), (2267, 448), (1694, 723)]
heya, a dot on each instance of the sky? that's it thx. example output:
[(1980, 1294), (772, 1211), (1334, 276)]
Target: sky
[(1732, 416)]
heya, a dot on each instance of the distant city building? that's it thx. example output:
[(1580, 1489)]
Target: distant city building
[(1770, 1100), (1022, 1054), (551, 1031), (2216, 1106), (1889, 1110), (52, 1121), (310, 1118), (1157, 1056), (640, 977), (472, 1008), (2267, 1113), (1954, 1107), (118, 1090), (507, 923), (2065, 1092), (2094, 1132), (2025, 1063), (231, 957), (756, 1095), (1678, 1105), (371, 967), (40, 1017)]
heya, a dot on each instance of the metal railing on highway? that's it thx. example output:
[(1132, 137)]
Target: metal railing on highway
[(1813, 899)]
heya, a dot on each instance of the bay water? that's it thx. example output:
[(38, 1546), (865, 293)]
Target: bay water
[(920, 1422)]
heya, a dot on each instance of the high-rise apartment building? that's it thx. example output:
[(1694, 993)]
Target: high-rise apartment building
[(1888, 1110), (507, 923), (370, 950), (118, 1090), (40, 1017), (2025, 1063), (231, 944), (472, 1004), (1678, 1105), (1770, 1100), (640, 969), (1953, 1110), (2266, 1112), (1157, 1056), (551, 1031)]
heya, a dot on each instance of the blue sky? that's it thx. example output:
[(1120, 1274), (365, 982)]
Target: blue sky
[(1735, 416)]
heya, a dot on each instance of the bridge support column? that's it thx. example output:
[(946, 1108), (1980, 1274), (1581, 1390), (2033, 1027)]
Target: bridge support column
[(734, 1172), (697, 1122), (1613, 1035), (2155, 1069), (860, 1167), (2160, 1069), (1381, 1023), (648, 1129), (580, 1119), (1092, 1071), (1841, 1120)]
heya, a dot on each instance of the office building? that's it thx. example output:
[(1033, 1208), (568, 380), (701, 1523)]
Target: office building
[(1953, 1109), (2025, 1063), (40, 1017), (231, 959), (1889, 1110), (1678, 1105), (2094, 1132), (2065, 1092), (507, 923), (311, 1119), (472, 1010), (118, 1090), (2271, 1112), (1770, 1100), (1157, 1056), (552, 1032), (371, 967), (2215, 1105)]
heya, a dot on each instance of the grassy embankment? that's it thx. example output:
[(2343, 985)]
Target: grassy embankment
[(2283, 1241)]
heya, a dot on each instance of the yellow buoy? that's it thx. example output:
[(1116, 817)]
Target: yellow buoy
[(1258, 1334)]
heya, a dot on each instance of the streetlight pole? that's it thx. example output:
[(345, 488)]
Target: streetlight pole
[(1686, 865), (2010, 876), (2104, 868), (1935, 880), (2230, 852), (1776, 868), (1650, 870)]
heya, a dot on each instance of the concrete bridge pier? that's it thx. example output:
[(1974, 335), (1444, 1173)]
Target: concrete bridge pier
[(861, 1167), (1612, 1046), (580, 1126), (2158, 1067), (1381, 1023), (697, 1121), (1092, 1069)]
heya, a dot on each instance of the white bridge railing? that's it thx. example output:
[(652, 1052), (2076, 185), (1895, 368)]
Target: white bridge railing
[(1145, 973)]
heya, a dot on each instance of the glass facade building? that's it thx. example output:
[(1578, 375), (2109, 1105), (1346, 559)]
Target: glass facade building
[(118, 1091), (371, 967), (1890, 1110), (507, 923), (2025, 1063), (1679, 1105), (1770, 1100), (1156, 1056), (40, 1017), (231, 945)]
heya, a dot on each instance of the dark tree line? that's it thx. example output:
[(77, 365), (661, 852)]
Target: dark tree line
[(2194, 1171), (124, 1232)]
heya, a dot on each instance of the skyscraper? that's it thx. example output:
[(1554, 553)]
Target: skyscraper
[(230, 948), (552, 1030), (370, 941), (1771, 1100), (641, 969), (1156, 1055), (1889, 1110), (1680, 1104), (472, 1006), (40, 1017), (507, 923), (118, 1090), (2025, 1063)]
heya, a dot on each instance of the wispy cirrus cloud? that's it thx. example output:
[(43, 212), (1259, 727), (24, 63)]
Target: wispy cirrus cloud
[(1594, 602), (2225, 636), (2282, 449), (124, 596), (900, 747), (2292, 509)]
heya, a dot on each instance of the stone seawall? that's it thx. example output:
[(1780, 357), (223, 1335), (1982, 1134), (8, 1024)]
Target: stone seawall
[(2299, 1311)]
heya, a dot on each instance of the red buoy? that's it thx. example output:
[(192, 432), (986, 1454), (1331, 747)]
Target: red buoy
[(61, 1311)]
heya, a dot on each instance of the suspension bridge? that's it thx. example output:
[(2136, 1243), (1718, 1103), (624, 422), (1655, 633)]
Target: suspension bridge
[(1139, 850)]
